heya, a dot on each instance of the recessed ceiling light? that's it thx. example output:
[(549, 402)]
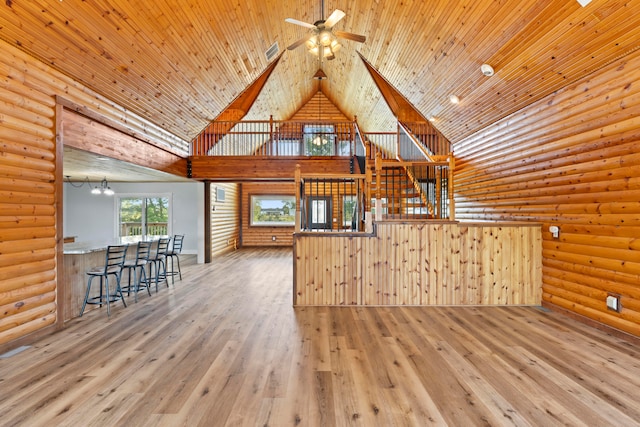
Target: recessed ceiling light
[(454, 99)]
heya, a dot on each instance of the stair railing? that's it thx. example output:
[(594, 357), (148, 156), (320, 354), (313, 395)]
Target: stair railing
[(410, 148), (331, 202)]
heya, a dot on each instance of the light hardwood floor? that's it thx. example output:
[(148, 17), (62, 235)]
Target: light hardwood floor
[(226, 347)]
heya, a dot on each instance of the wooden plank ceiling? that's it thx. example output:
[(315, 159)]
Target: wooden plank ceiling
[(180, 63)]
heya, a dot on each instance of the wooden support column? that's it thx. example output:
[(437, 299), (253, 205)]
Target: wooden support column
[(452, 203), (59, 194), (207, 222), (378, 189)]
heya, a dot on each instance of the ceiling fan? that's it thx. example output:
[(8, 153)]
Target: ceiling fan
[(321, 41)]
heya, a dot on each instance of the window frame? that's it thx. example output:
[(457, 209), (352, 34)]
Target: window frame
[(144, 196), (271, 196)]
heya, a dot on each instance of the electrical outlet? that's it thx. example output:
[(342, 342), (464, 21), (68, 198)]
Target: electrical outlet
[(273, 238)]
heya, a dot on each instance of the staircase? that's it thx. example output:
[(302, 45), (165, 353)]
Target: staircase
[(401, 195)]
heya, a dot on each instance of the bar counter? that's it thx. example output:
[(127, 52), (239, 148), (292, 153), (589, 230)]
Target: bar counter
[(80, 257)]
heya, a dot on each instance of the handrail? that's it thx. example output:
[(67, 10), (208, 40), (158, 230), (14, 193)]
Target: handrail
[(330, 202), (360, 148), (413, 150), (276, 138), (430, 137)]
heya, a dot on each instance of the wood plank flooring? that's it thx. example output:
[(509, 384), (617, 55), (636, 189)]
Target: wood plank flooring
[(225, 347)]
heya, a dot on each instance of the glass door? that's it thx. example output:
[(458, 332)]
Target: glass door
[(143, 216)]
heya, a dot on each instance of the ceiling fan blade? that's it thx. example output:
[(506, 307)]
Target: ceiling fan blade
[(301, 23), (333, 19), (350, 36), (299, 42)]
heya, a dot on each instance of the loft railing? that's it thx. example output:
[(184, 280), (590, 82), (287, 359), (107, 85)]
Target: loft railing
[(276, 138), (430, 138), (410, 148), (385, 143), (331, 202), (404, 145)]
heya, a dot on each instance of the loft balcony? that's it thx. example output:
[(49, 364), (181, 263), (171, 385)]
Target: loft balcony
[(271, 149), (344, 178)]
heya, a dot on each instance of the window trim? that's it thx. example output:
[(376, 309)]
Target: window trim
[(118, 196), (271, 196)]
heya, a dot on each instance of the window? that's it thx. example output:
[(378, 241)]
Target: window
[(344, 148), (349, 214), (383, 204), (143, 215), (319, 140), (273, 210)]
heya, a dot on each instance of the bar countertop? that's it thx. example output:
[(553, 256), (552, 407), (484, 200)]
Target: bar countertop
[(80, 248)]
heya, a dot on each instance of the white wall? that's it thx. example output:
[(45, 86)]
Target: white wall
[(91, 217)]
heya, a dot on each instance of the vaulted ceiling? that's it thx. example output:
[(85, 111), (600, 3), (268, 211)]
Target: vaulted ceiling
[(179, 63)]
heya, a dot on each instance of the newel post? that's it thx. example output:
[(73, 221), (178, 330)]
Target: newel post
[(452, 203), (378, 186)]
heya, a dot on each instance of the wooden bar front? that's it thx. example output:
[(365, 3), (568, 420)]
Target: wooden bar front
[(421, 263)]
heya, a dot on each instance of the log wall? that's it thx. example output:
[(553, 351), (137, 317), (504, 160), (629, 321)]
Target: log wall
[(570, 160), (31, 187), (28, 200), (261, 235), (420, 263), (225, 223)]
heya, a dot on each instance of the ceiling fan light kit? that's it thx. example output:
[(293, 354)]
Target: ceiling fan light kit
[(322, 42)]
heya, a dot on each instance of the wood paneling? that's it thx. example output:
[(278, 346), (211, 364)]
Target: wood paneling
[(245, 168), (28, 236), (86, 134), (225, 222), (570, 160), (261, 235), (30, 186), (179, 64), (319, 108), (75, 282), (420, 263)]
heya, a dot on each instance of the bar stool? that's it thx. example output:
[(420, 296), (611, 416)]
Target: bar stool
[(114, 261), (175, 253), (142, 258), (157, 260)]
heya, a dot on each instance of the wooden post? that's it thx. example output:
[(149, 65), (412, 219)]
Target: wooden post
[(452, 204), (378, 186), (59, 197), (438, 208), (368, 221), (207, 222)]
